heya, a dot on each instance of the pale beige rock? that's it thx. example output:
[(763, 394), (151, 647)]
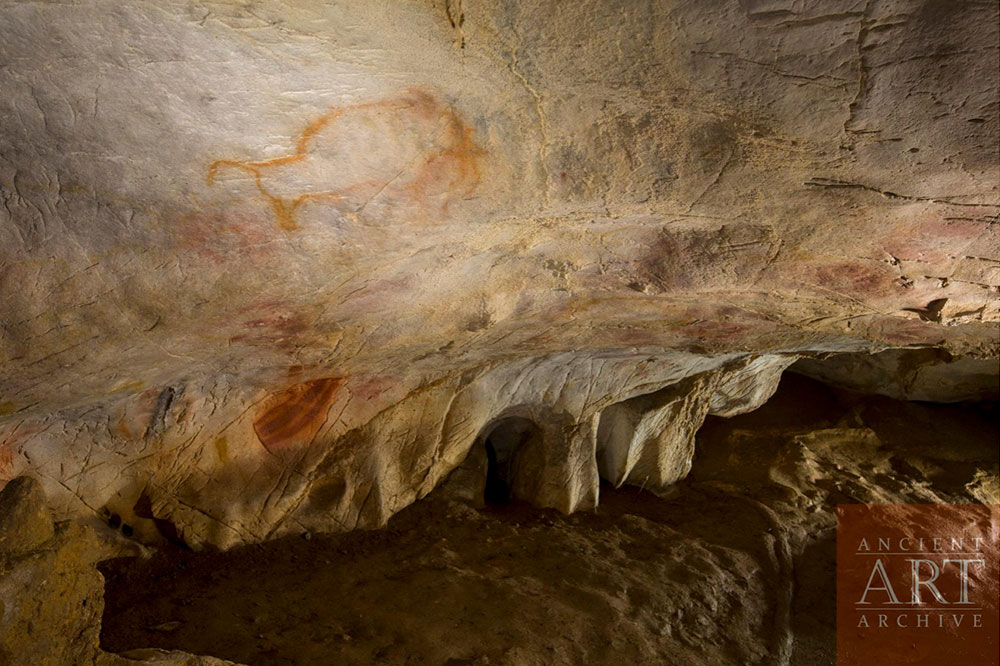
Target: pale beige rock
[(649, 440)]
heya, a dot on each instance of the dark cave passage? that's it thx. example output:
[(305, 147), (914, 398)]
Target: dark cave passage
[(497, 490), (504, 443)]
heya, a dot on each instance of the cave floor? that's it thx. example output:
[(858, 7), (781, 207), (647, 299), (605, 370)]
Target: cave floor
[(735, 565)]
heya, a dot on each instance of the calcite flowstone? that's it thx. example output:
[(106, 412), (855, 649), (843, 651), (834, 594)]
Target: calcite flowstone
[(272, 267)]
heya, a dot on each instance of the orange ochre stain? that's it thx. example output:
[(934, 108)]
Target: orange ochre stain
[(291, 418), (12, 438), (451, 162), (222, 449)]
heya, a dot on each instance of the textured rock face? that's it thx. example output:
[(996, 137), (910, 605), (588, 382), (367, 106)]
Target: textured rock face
[(911, 374), (25, 521), (735, 566), (272, 267), (51, 594)]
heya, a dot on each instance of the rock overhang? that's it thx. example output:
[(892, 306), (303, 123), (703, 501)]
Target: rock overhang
[(241, 242)]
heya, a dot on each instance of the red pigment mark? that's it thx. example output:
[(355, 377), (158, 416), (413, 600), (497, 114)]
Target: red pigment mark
[(136, 414), (716, 331), (271, 323), (378, 294), (222, 236), (412, 148), (902, 331), (853, 279), (290, 419), (932, 240), (184, 408), (279, 325), (370, 389), (11, 439)]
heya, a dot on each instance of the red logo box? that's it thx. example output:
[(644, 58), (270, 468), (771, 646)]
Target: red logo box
[(918, 585)]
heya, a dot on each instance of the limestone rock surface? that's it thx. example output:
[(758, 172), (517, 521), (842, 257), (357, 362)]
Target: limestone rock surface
[(734, 566), (270, 267), (51, 594), (909, 374), (25, 520)]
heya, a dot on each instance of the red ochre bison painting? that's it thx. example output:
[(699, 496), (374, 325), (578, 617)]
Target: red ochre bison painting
[(409, 155)]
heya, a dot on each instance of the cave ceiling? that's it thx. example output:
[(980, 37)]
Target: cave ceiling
[(264, 261)]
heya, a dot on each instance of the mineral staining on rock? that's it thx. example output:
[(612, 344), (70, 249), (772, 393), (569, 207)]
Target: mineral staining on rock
[(272, 268)]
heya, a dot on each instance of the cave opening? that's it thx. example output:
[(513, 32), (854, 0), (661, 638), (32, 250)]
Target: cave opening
[(504, 442), (764, 485)]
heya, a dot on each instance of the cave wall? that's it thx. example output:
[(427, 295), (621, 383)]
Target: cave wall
[(270, 267)]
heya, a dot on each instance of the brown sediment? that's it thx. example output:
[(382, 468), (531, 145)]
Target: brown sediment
[(222, 449)]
